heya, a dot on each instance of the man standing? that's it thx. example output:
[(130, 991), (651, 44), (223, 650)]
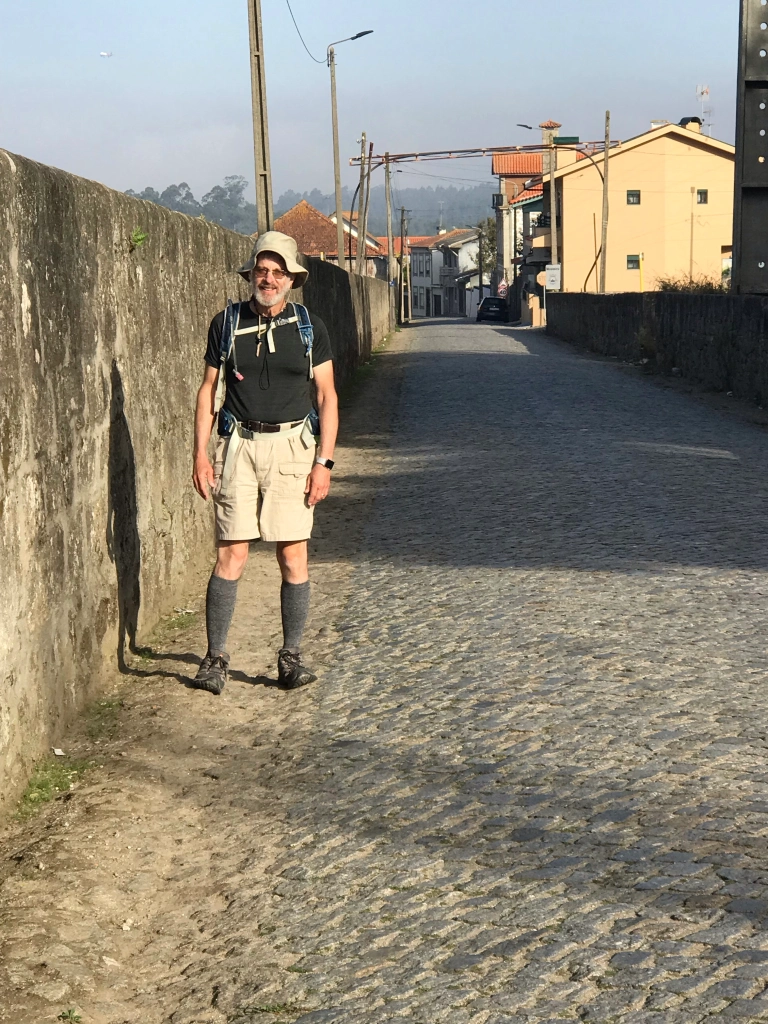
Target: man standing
[(269, 472)]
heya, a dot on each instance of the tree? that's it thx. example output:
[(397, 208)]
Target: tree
[(488, 244), (225, 205), (180, 198)]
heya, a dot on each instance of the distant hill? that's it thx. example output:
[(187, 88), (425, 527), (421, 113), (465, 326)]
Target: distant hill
[(430, 207)]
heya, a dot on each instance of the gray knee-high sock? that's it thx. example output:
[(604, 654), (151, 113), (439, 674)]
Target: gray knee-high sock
[(219, 606), (294, 606)]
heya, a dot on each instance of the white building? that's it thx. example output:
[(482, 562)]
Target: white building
[(437, 264)]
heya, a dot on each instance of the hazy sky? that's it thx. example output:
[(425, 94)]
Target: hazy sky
[(173, 103)]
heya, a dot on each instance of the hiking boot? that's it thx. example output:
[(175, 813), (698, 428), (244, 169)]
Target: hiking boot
[(212, 674), (291, 674)]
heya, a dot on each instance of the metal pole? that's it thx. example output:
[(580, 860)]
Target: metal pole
[(480, 265), (336, 159), (604, 238), (360, 199), (263, 171)]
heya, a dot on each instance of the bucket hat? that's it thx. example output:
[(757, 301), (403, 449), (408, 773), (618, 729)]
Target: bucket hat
[(282, 245)]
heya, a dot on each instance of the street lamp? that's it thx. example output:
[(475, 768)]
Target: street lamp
[(331, 60)]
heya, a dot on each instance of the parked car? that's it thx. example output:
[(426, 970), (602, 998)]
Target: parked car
[(493, 309)]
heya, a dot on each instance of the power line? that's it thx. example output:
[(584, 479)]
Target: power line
[(301, 37), (443, 177)]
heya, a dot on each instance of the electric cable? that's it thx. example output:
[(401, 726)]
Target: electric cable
[(301, 37)]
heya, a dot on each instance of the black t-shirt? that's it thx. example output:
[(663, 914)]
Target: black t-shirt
[(275, 387)]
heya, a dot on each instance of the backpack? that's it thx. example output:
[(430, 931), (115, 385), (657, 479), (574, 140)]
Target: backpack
[(229, 331)]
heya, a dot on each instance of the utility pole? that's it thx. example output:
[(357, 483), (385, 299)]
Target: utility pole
[(403, 311), (604, 239), (360, 200), (336, 159), (749, 274), (553, 256), (366, 204), (390, 239), (263, 170)]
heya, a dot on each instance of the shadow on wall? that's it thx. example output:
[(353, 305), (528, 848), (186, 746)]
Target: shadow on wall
[(123, 540)]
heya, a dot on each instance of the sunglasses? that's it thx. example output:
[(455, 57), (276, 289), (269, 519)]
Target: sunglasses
[(262, 272)]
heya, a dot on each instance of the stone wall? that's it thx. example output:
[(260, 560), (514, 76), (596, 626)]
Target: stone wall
[(101, 353), (719, 341)]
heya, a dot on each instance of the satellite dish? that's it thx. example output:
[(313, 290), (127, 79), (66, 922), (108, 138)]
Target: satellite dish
[(105, 53)]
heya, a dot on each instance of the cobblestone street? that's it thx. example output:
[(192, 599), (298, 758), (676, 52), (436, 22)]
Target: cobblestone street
[(532, 781), (538, 788)]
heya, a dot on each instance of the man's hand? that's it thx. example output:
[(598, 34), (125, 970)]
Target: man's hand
[(202, 475), (318, 484)]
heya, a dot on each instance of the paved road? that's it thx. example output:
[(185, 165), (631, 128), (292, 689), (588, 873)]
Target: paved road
[(538, 785), (532, 782)]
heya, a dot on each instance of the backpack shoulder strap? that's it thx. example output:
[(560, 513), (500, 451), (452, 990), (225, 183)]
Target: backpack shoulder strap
[(228, 328), (307, 333)]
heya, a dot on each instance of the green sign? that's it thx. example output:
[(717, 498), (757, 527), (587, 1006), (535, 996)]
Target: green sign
[(566, 140)]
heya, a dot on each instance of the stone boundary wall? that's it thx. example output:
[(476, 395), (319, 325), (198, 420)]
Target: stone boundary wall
[(719, 341), (101, 354)]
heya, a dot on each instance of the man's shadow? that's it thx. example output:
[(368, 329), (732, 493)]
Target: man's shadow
[(123, 541)]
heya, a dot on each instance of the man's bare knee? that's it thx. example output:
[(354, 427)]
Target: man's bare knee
[(231, 557), (292, 559)]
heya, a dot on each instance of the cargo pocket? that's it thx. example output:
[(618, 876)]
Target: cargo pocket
[(218, 463), (293, 477)]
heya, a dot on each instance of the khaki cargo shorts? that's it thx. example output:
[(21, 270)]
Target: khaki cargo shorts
[(263, 494)]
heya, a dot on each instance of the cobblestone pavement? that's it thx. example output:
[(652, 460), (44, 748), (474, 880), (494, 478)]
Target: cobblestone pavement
[(538, 787), (532, 783)]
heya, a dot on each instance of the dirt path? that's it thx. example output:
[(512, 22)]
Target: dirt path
[(115, 899)]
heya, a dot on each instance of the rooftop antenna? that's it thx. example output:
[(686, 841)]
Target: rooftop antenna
[(702, 95)]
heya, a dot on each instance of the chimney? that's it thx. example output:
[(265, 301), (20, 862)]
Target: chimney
[(693, 124), (548, 132)]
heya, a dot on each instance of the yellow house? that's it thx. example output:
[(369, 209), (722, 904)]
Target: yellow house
[(670, 210)]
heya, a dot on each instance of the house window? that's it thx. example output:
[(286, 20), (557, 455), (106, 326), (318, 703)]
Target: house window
[(633, 197), (633, 262), (427, 264), (421, 298), (702, 196)]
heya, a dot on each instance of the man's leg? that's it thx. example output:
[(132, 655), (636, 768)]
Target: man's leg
[(294, 607), (219, 608)]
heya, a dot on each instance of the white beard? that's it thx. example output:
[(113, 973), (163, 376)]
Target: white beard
[(281, 294)]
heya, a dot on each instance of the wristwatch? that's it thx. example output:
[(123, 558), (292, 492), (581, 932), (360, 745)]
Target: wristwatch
[(328, 463)]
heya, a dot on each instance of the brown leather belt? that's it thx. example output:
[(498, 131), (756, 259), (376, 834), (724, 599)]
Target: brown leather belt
[(257, 427)]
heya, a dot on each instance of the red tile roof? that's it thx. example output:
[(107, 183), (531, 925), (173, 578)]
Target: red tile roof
[(315, 233), (518, 165), (529, 193), (410, 242), (433, 241), (549, 125)]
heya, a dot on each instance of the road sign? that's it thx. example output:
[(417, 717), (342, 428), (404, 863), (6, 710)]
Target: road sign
[(502, 290), (554, 276)]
